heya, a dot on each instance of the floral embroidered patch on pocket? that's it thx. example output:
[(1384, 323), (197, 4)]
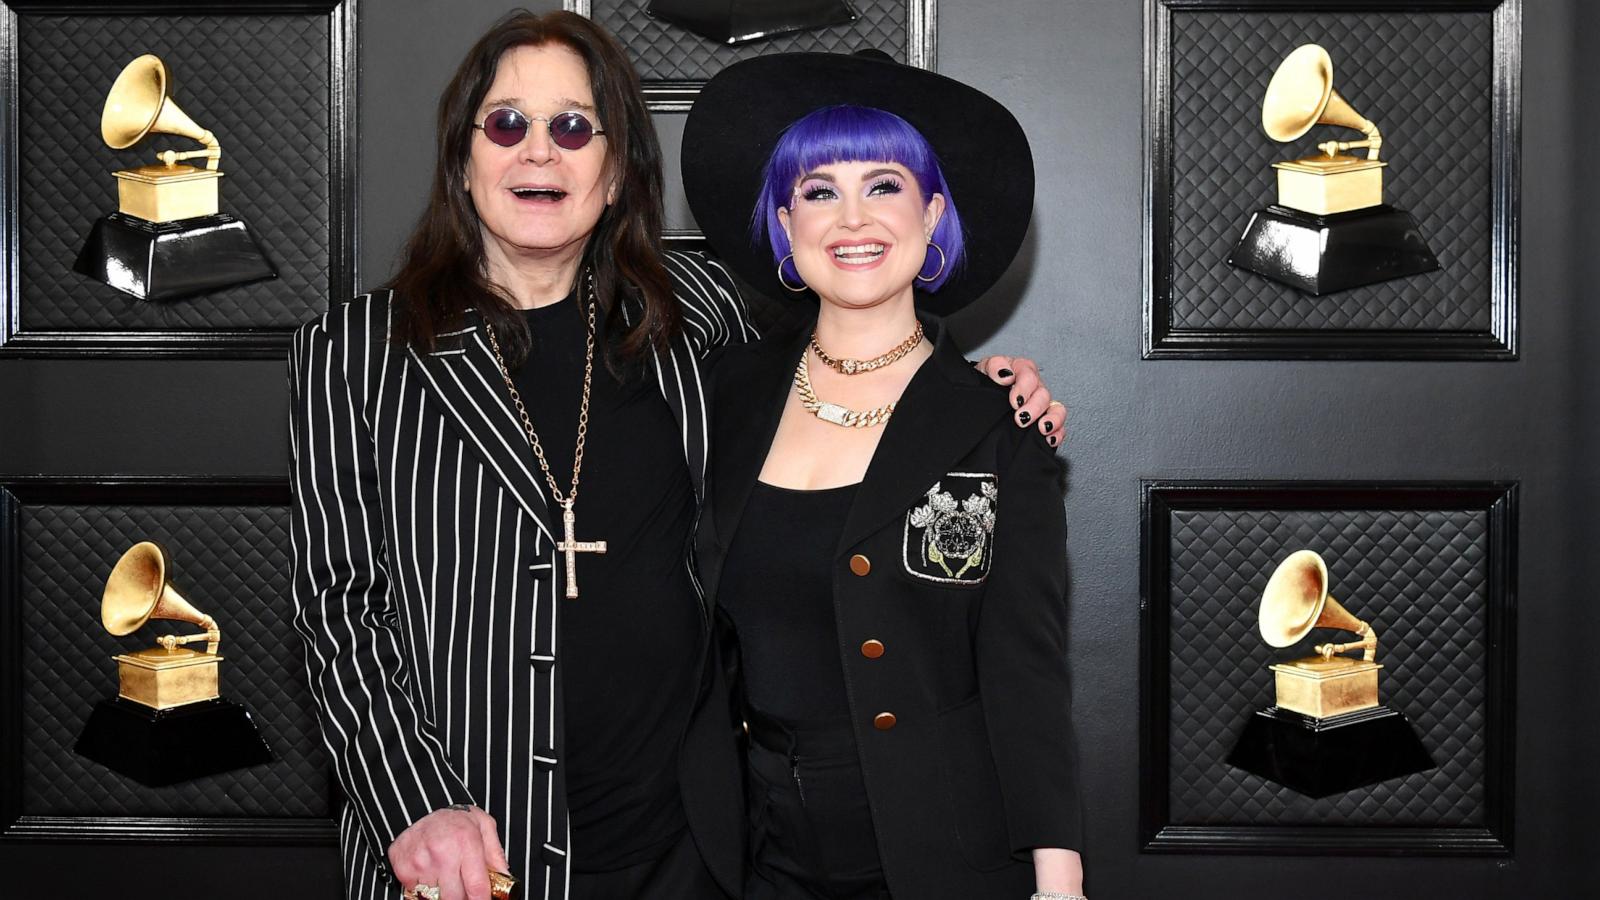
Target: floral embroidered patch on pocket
[(949, 540)]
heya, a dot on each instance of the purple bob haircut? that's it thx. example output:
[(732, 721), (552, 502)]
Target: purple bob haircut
[(835, 134)]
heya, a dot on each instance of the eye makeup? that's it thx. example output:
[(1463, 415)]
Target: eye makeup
[(887, 184), (815, 188)]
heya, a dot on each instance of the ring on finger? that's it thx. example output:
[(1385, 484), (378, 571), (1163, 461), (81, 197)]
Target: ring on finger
[(421, 891)]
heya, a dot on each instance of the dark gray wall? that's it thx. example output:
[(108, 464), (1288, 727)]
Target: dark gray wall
[(1071, 70)]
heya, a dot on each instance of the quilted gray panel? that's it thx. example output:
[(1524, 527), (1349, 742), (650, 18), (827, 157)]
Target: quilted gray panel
[(1425, 79), (663, 52), (260, 82), (1420, 578), (230, 561)]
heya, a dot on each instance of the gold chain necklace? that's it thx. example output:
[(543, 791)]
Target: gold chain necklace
[(857, 366), (571, 546), (833, 412)]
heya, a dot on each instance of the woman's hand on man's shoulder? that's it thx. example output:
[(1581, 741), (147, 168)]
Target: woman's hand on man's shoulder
[(1029, 397)]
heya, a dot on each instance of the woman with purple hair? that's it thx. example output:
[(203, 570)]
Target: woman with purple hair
[(886, 555)]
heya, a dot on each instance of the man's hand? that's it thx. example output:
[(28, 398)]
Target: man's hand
[(1029, 397), (452, 849)]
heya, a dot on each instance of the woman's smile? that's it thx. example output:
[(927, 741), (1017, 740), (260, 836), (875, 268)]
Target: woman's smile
[(855, 255)]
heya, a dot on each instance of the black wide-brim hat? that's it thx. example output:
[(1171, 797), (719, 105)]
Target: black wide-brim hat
[(738, 117)]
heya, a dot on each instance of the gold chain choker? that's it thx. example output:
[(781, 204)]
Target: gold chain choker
[(857, 366)]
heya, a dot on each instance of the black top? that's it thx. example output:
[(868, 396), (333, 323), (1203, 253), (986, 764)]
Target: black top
[(628, 670), (777, 588)]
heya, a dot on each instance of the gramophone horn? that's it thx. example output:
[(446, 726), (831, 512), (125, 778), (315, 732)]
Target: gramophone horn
[(1301, 95), (1296, 600), (138, 591), (139, 103)]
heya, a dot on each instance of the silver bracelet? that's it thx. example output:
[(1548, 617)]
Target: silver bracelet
[(1047, 896)]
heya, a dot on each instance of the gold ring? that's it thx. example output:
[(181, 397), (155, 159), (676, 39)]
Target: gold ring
[(420, 891), (501, 885)]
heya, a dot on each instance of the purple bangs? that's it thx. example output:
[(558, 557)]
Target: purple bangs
[(836, 134)]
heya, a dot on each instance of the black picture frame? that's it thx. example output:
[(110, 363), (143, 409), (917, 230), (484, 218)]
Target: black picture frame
[(16, 494), (1161, 339), (1158, 834), (674, 96), (205, 343)]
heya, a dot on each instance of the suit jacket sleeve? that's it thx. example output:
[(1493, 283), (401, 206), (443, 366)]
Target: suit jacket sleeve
[(714, 314), (387, 758), (1022, 656)]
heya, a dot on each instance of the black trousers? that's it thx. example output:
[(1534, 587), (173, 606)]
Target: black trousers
[(678, 874), (811, 835)]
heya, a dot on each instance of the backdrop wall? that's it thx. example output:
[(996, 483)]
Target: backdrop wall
[(1071, 71)]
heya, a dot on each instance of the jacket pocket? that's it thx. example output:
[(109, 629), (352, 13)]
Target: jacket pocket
[(974, 786), (948, 536)]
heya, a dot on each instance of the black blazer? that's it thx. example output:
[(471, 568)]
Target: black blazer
[(427, 586), (953, 557)]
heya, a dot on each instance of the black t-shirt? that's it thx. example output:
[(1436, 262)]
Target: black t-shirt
[(629, 640), (777, 588)]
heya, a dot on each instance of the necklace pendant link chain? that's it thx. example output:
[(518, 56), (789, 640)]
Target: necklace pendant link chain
[(570, 545)]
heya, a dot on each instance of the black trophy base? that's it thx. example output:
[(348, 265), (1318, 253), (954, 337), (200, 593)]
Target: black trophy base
[(1319, 255), (737, 23), (157, 747), (168, 260), (1323, 757)]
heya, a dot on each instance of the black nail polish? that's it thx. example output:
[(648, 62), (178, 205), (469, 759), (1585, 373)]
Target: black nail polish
[(1052, 439), (1020, 400), (1024, 418), (1005, 373), (1049, 426)]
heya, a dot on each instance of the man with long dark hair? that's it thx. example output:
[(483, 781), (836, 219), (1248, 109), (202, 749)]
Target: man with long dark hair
[(497, 467)]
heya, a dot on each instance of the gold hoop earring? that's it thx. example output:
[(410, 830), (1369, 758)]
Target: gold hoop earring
[(793, 290), (934, 276)]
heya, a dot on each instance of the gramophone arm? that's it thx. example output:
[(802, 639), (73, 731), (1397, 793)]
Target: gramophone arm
[(212, 636), (1373, 142), (212, 152), (1368, 642)]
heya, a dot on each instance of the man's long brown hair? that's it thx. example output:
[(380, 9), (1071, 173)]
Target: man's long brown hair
[(442, 274)]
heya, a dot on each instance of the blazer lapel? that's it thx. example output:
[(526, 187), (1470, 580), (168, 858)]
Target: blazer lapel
[(945, 411), (678, 374), (464, 379)]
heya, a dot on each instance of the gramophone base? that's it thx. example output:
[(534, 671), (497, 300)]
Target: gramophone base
[(1323, 757), (161, 747), (166, 679), (168, 260), (1319, 255)]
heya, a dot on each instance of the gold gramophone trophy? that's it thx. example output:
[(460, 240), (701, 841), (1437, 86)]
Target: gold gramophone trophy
[(1330, 229), (1327, 733), (167, 238), (168, 722)]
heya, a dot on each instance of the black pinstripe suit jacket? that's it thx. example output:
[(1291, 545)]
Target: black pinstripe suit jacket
[(426, 580)]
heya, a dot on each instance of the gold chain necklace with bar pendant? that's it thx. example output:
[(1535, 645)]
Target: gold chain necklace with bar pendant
[(842, 416), (571, 546)]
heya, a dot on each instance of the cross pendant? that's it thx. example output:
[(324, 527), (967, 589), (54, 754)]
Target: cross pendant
[(572, 546)]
